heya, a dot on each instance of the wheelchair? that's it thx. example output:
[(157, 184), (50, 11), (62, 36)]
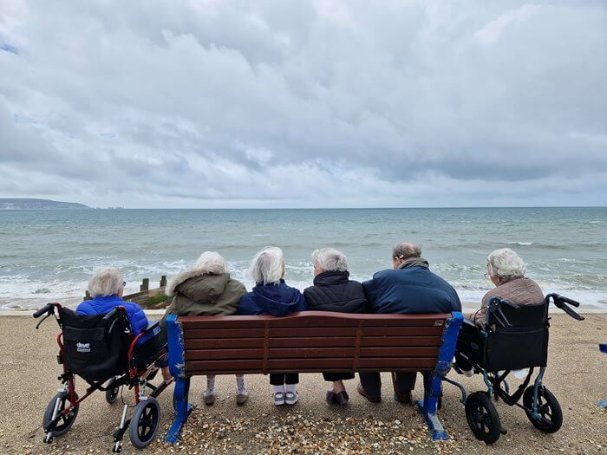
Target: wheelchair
[(103, 351), (515, 338)]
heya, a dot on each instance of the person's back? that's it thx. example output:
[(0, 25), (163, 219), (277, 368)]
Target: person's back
[(271, 295), (106, 288), (410, 288), (277, 299), (334, 291), (208, 290)]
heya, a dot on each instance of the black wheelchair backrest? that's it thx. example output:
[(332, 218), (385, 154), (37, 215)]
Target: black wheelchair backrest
[(95, 347), (503, 315)]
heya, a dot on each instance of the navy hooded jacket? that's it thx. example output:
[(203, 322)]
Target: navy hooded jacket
[(105, 304), (411, 289), (275, 299)]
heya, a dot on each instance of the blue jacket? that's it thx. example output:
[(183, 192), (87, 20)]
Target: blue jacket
[(105, 304), (410, 290), (275, 299)]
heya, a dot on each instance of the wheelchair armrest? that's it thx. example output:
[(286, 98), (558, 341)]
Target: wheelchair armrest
[(151, 326)]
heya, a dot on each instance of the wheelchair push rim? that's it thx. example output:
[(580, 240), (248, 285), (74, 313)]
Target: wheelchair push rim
[(144, 423), (549, 417), (65, 422), (482, 417)]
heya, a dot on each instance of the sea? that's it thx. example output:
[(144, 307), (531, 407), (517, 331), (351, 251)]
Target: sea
[(49, 255)]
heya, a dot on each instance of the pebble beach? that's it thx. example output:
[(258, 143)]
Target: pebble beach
[(576, 375)]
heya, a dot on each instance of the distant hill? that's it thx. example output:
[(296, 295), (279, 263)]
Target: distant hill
[(37, 204)]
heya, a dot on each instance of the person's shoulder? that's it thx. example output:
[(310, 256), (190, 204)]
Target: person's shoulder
[(235, 285)]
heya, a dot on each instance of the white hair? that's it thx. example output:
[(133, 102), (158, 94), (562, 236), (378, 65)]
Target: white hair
[(506, 264), (106, 282), (330, 260), (211, 262), (268, 266)]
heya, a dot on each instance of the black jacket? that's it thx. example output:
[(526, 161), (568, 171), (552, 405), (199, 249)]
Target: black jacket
[(334, 291)]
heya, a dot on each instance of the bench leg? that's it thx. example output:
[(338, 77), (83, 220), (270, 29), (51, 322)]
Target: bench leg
[(428, 407), (182, 409)]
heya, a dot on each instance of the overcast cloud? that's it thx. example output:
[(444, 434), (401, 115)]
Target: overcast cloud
[(304, 103)]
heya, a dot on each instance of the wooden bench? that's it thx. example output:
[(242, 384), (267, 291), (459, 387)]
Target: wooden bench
[(311, 342)]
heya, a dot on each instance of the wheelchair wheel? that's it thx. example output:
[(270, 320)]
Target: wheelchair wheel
[(482, 417), (551, 415), (112, 394), (65, 423), (144, 423)]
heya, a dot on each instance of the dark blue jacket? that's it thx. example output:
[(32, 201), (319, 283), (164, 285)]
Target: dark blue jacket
[(410, 290), (275, 299), (105, 304)]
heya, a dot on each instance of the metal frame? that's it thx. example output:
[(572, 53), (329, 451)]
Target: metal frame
[(603, 349)]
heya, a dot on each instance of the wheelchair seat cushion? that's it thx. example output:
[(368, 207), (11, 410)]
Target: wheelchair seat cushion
[(95, 347)]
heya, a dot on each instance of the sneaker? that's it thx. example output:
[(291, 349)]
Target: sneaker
[(209, 397), (242, 395), (291, 397), (279, 398)]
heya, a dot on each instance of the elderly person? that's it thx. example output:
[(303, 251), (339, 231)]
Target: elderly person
[(271, 295), (506, 270), (106, 288), (208, 290), (409, 288), (334, 291)]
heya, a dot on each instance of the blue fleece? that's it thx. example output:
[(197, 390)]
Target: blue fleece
[(275, 299), (105, 304), (409, 291)]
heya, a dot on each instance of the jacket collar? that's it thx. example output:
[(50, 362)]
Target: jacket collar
[(329, 278), (414, 262)]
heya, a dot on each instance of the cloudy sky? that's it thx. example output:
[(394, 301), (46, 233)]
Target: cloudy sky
[(328, 103)]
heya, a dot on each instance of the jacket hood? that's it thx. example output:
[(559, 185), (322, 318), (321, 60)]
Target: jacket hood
[(277, 299), (198, 287), (181, 278)]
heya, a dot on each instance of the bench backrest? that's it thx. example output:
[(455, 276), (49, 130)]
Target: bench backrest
[(311, 341)]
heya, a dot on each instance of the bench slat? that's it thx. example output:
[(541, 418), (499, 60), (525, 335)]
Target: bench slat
[(401, 341), (224, 343)]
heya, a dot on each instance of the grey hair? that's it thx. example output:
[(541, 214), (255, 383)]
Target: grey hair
[(406, 251), (505, 263), (106, 282), (330, 260), (268, 266), (211, 262)]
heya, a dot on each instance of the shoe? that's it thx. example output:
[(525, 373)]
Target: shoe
[(331, 397), (279, 398), (242, 396), (360, 390), (209, 397), (342, 398), (291, 397), (403, 397)]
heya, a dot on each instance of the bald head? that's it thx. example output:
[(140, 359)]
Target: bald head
[(403, 251)]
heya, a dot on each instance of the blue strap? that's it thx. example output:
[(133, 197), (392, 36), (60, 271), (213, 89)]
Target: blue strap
[(428, 406), (182, 382)]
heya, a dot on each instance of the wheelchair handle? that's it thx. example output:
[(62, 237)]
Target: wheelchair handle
[(562, 302), (48, 308)]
